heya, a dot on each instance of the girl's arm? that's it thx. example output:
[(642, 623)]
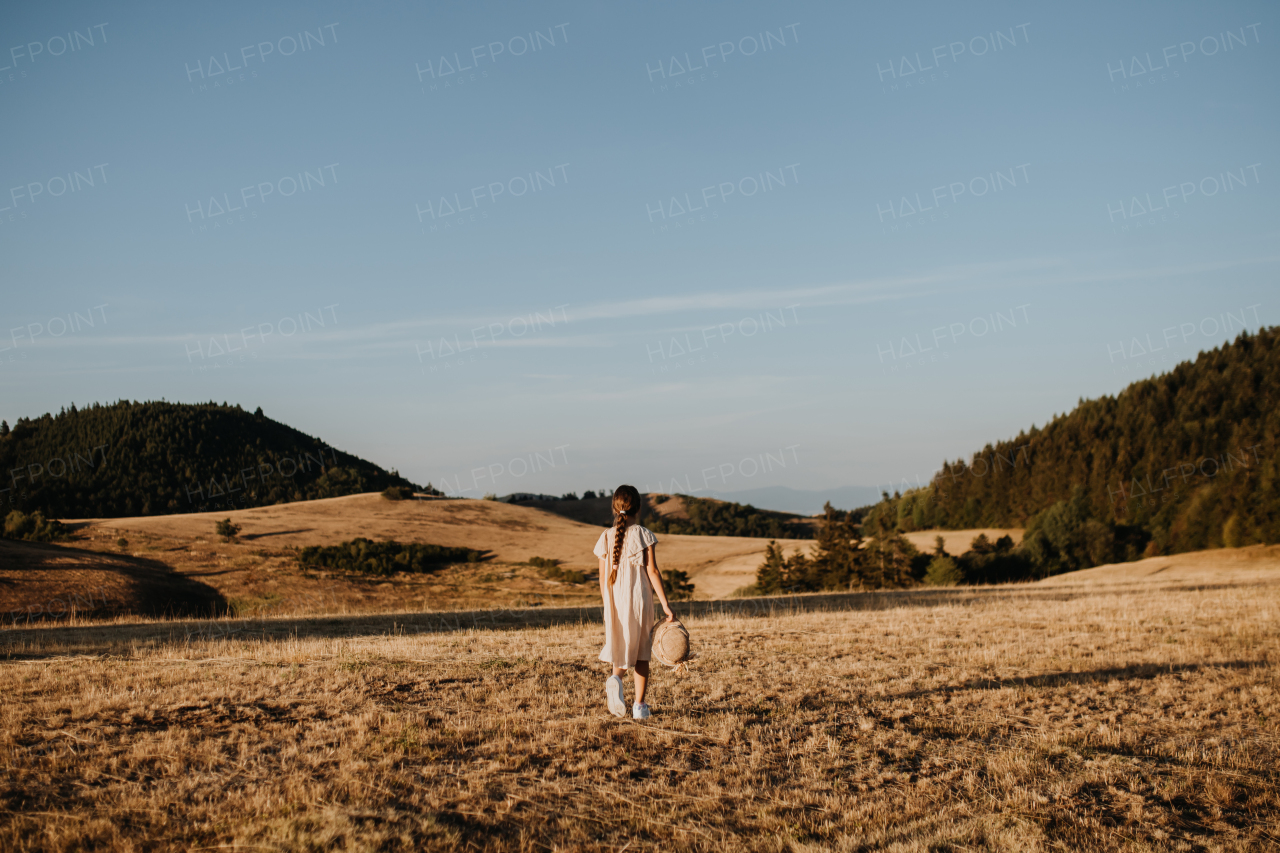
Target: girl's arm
[(655, 578), (604, 581)]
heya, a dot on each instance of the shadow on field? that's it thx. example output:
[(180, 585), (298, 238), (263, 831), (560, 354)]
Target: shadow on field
[(42, 582), (51, 640), (1132, 672), (248, 537)]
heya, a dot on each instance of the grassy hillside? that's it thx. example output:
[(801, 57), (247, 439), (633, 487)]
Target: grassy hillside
[(1182, 461), (129, 459)]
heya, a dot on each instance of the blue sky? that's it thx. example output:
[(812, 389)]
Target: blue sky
[(647, 243)]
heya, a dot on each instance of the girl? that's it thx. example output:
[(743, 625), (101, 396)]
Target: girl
[(628, 578)]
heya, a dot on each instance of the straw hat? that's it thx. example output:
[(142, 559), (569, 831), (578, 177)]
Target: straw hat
[(671, 645)]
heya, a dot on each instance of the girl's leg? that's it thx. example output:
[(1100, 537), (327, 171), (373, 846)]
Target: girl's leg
[(642, 680), (620, 671)]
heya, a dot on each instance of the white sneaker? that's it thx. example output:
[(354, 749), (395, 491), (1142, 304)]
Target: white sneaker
[(613, 693), (640, 711)]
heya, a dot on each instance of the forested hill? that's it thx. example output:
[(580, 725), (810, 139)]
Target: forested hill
[(1185, 460), (129, 458)]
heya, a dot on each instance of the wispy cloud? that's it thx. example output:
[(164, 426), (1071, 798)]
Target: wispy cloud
[(381, 339)]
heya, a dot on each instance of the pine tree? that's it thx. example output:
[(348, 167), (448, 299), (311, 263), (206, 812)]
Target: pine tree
[(839, 560), (771, 573)]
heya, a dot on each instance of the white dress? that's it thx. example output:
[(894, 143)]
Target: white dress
[(628, 614)]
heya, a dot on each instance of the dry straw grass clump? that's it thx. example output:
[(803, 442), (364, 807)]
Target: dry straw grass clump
[(1133, 718)]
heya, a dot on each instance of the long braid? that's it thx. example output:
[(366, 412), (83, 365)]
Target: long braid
[(619, 533), (626, 501)]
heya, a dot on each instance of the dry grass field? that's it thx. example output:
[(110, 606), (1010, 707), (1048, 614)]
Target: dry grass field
[(1125, 708), (175, 565)]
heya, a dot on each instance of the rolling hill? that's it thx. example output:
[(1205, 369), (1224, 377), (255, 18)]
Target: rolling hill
[(157, 458), (1183, 461)]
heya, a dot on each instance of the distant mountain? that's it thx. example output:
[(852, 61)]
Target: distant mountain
[(801, 501), (129, 458)]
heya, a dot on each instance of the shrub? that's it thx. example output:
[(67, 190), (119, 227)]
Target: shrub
[(678, 585), (943, 571), (226, 529), (384, 558), (34, 527), (490, 496), (552, 571), (986, 562), (398, 493), (122, 543)]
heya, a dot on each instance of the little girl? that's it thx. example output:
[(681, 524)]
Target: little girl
[(628, 578)]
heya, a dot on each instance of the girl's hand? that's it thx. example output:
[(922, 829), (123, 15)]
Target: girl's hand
[(671, 617)]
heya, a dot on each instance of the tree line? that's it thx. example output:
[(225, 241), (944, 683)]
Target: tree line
[(1183, 461), (723, 518)]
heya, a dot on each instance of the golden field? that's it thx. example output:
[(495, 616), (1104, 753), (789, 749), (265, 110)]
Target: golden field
[(1124, 708), (175, 565)]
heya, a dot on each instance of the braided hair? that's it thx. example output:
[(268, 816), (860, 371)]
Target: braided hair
[(626, 505)]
